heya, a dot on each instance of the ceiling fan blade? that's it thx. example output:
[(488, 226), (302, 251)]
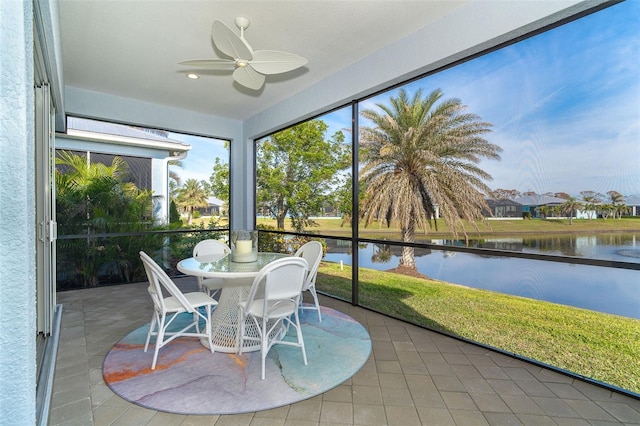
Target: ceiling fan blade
[(274, 62), (209, 63), (248, 77), (228, 42)]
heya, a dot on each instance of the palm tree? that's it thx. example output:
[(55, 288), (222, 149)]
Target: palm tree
[(570, 207), (606, 210), (590, 209), (421, 155), (94, 198), (382, 253), (592, 201), (95, 195), (192, 196), (620, 209), (174, 178), (544, 211), (618, 203)]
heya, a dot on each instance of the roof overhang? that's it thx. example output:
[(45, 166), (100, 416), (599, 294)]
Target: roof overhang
[(172, 146)]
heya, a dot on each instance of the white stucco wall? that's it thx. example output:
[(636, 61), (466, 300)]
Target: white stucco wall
[(17, 217)]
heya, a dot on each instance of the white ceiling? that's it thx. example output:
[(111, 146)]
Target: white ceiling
[(131, 48)]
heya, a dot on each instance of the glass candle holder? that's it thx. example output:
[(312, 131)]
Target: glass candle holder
[(244, 246)]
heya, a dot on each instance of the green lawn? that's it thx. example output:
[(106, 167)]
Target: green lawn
[(596, 345), (494, 227)]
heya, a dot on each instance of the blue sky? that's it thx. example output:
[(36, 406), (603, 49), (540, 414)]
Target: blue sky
[(565, 106), (201, 158)]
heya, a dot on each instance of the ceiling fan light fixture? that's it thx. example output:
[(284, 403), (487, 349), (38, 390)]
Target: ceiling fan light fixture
[(241, 22), (251, 66), (193, 76)]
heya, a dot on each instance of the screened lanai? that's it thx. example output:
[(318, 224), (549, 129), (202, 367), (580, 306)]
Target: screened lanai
[(77, 64)]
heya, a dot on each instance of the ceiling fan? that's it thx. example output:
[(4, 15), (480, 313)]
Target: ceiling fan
[(250, 66)]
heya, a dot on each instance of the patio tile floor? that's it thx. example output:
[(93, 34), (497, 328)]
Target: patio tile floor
[(413, 377)]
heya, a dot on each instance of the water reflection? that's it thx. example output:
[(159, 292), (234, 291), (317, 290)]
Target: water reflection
[(611, 290), (607, 246)]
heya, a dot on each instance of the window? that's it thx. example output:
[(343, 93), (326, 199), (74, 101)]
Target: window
[(121, 188), (304, 176), (525, 199)]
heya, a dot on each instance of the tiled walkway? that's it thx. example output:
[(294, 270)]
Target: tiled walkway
[(413, 377)]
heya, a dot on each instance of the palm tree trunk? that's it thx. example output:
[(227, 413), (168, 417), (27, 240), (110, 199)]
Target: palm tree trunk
[(408, 253)]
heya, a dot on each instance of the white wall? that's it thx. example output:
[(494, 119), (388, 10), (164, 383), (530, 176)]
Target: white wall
[(17, 217)]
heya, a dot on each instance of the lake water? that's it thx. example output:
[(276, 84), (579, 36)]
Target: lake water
[(611, 290)]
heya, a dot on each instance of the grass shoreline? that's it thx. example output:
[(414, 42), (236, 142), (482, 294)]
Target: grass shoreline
[(495, 227), (547, 227), (595, 345)]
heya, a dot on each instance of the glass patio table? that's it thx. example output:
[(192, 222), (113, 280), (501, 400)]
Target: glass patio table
[(237, 280)]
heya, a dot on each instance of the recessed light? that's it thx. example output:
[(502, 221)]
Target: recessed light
[(193, 76)]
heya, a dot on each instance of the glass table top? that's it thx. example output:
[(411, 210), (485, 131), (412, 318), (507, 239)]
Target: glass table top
[(221, 265)]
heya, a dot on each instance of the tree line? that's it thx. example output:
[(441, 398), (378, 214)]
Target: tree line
[(593, 203)]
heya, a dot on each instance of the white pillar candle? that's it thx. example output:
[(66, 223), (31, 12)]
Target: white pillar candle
[(243, 246)]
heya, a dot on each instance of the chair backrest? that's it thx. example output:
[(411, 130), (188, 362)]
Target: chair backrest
[(312, 253), (281, 279), (158, 279), (207, 247)]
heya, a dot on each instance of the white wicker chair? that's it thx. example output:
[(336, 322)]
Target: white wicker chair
[(279, 285), (312, 253), (167, 308), (210, 286)]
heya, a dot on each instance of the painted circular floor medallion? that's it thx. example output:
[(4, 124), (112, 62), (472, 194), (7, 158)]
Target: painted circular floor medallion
[(189, 379)]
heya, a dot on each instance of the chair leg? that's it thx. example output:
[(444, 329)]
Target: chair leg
[(312, 289), (264, 344), (159, 341), (240, 333), (196, 321), (208, 328), (151, 326), (300, 339)]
